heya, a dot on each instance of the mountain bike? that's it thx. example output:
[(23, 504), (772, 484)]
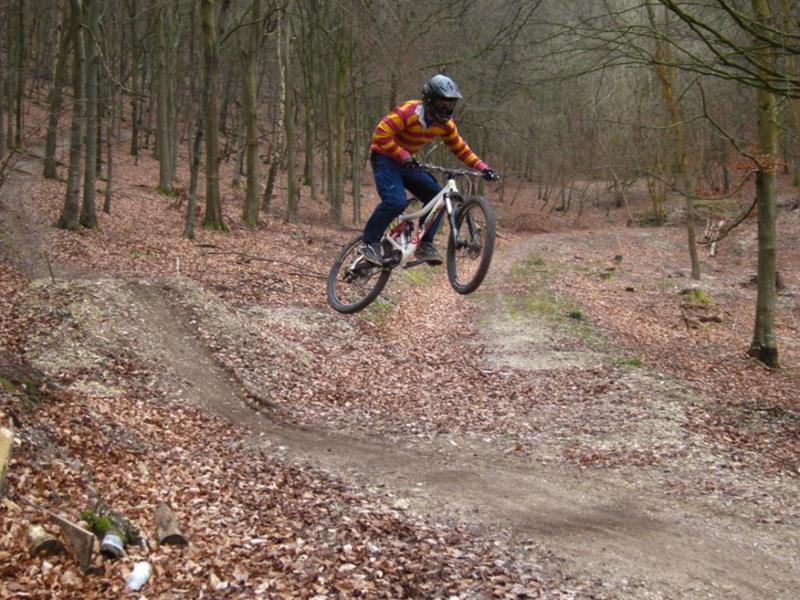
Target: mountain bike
[(354, 282)]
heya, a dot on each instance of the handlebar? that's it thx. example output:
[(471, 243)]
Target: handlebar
[(451, 172)]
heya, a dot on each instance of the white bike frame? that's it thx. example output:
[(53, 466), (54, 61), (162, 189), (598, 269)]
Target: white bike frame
[(398, 235)]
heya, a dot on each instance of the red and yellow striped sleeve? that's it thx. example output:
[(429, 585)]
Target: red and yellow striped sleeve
[(460, 148), (384, 138)]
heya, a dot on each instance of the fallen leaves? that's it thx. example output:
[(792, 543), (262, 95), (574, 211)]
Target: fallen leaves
[(169, 319)]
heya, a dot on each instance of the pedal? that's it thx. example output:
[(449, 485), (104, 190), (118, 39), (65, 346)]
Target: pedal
[(414, 263)]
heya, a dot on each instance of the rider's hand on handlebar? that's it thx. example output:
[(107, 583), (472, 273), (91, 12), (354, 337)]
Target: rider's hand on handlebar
[(490, 175), (411, 163)]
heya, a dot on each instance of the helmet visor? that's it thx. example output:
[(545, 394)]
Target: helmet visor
[(444, 106)]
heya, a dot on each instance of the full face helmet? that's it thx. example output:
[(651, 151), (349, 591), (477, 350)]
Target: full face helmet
[(439, 96)]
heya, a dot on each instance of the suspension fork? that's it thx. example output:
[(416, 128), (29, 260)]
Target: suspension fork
[(451, 215)]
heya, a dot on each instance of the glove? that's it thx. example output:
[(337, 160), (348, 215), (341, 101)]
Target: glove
[(411, 163), (490, 175)]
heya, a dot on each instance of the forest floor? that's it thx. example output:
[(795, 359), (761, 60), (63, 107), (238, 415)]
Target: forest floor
[(583, 426)]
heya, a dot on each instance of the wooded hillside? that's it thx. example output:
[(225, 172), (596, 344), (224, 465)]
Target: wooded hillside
[(580, 100), (606, 416)]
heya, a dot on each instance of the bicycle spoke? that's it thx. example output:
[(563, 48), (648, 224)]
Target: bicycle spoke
[(469, 257), (354, 282), (470, 245)]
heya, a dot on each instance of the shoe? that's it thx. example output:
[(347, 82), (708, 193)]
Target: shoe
[(427, 252), (372, 252)]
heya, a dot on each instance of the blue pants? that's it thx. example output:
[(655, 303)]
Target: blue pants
[(391, 180)]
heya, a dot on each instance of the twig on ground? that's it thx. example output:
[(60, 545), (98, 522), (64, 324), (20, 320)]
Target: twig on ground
[(311, 274), (50, 267)]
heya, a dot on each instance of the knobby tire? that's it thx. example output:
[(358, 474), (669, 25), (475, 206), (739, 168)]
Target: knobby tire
[(364, 290), (476, 226)]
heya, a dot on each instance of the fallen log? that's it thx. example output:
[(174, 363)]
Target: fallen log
[(40, 541), (167, 525), (6, 441), (11, 506)]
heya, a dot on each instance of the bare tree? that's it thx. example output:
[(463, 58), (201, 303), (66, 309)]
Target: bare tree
[(56, 95), (667, 76), (249, 52), (166, 77), (725, 29), (69, 213), (287, 73), (213, 217), (88, 216), (764, 345)]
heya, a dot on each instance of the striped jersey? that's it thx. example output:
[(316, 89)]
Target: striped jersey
[(402, 133)]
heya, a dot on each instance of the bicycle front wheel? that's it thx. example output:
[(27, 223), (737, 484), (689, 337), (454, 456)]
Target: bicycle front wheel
[(470, 247), (353, 282)]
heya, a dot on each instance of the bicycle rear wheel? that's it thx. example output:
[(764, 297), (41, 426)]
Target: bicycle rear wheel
[(469, 251), (353, 282)]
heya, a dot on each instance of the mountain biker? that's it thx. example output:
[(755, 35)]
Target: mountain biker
[(395, 141)]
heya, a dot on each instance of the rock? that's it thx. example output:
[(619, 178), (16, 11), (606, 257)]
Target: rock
[(401, 504)]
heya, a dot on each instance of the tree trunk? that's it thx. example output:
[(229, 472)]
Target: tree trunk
[(292, 191), (278, 146), (136, 103), (251, 200), (224, 111), (165, 81), (191, 105), (147, 100), (790, 26), (100, 113), (330, 148), (69, 213), (19, 86), (194, 133), (667, 78), (7, 79), (172, 91), (360, 152), (2, 111), (310, 78), (56, 98), (240, 142), (88, 217), (764, 346), (213, 217), (109, 154), (194, 169), (341, 102), (795, 104)]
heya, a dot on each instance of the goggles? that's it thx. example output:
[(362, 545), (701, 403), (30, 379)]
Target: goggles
[(444, 106)]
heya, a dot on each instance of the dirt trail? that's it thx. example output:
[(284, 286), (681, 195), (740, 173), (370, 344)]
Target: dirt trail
[(25, 248), (615, 525), (601, 524)]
